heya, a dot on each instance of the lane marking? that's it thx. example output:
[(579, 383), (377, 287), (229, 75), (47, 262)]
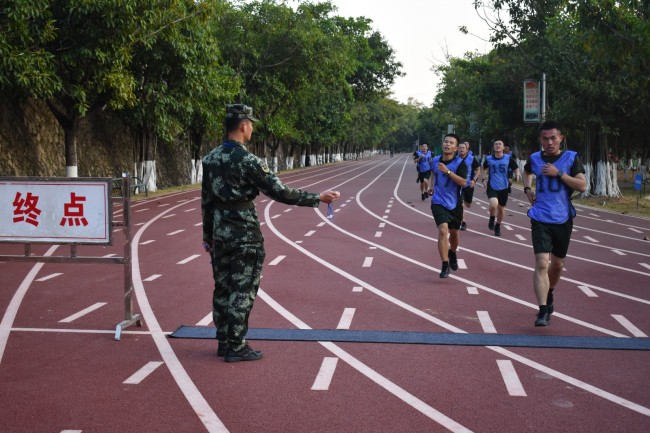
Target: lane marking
[(367, 262), (462, 264), (169, 216), (587, 291), (520, 237), (109, 255), (472, 290), (343, 205), (629, 325), (190, 210), (508, 227), (206, 321), (325, 374), (510, 378), (140, 210), (619, 252), (277, 260), (298, 242), (486, 322), (337, 210), (645, 265), (83, 312), (634, 230), (346, 318), (310, 232), (382, 225), (176, 232), (49, 277), (378, 234), (321, 224), (153, 277), (288, 210), (594, 215), (387, 211), (189, 259), (142, 374), (589, 238), (147, 242), (357, 289), (71, 431), (163, 205), (275, 216)]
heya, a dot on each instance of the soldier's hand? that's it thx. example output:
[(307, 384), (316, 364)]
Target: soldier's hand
[(329, 196), (207, 246)]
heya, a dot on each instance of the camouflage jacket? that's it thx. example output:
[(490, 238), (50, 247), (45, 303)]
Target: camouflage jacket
[(232, 177)]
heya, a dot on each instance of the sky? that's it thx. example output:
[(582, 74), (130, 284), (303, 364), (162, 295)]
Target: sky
[(421, 32)]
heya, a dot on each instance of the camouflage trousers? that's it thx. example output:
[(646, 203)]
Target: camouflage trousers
[(236, 269)]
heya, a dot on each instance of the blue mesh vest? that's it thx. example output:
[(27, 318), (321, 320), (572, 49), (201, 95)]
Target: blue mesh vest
[(498, 171), (446, 192), (468, 162), (552, 203), (425, 163)]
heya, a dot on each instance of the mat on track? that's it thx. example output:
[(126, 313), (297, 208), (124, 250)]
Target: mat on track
[(439, 338)]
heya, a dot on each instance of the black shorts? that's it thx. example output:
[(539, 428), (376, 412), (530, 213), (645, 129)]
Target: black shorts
[(424, 175), (467, 194), (551, 238), (501, 195), (443, 215)]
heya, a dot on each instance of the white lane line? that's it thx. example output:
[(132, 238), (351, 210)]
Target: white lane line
[(520, 237), (148, 242), (390, 205), (367, 262), (153, 277), (49, 277), (275, 216), (387, 211), (486, 322), (288, 210), (371, 374), (382, 225), (594, 215), (189, 259), (109, 255), (378, 234), (385, 217), (190, 210), (71, 431), (176, 232), (321, 224), (337, 210), (357, 289), (83, 312), (620, 253), (298, 242), (634, 230), (629, 326), (645, 265), (462, 264), (325, 374), (507, 227), (169, 216), (310, 232), (510, 378), (346, 318), (141, 210), (277, 260), (198, 224), (343, 205), (590, 239), (472, 290), (206, 321), (142, 374), (163, 205), (587, 291)]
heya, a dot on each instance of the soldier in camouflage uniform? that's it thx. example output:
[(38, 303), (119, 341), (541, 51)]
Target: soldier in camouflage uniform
[(232, 178)]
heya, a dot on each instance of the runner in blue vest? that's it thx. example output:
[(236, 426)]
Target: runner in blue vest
[(473, 168), (496, 167), (450, 174), (423, 158), (558, 173)]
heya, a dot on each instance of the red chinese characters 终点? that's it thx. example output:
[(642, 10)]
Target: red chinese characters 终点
[(73, 212), (25, 209)]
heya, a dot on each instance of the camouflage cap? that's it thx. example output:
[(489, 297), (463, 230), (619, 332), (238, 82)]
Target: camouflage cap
[(239, 111)]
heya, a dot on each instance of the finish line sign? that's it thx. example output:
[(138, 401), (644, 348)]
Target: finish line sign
[(55, 210)]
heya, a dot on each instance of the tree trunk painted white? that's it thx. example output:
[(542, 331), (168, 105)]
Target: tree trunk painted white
[(197, 171), (274, 164), (71, 171), (289, 162), (147, 173)]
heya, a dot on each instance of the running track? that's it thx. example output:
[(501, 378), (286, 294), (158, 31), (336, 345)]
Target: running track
[(374, 266)]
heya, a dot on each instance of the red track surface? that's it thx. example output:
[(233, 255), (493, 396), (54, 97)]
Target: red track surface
[(57, 376)]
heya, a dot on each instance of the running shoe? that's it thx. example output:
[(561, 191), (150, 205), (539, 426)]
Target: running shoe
[(491, 223), (444, 273), (497, 230)]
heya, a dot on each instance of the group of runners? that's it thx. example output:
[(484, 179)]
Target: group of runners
[(456, 171)]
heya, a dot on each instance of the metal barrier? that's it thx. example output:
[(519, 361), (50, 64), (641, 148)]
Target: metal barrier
[(73, 226)]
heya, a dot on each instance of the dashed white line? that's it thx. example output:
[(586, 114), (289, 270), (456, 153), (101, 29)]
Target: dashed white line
[(590, 239), (325, 374), (142, 374), (49, 277), (486, 322), (382, 225), (321, 224), (298, 242), (387, 211), (153, 277), (189, 259), (190, 210), (367, 262), (520, 237), (175, 232), (587, 291), (109, 255), (83, 312), (147, 242), (594, 215), (620, 253), (462, 264), (198, 224), (634, 230), (645, 265), (71, 431), (472, 290), (378, 234), (288, 210), (275, 216), (141, 210), (206, 321), (510, 378), (357, 289), (507, 227), (310, 232), (629, 326), (277, 260), (346, 318), (169, 216)]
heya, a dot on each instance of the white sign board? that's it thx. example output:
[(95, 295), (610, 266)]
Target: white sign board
[(532, 106), (55, 210)]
